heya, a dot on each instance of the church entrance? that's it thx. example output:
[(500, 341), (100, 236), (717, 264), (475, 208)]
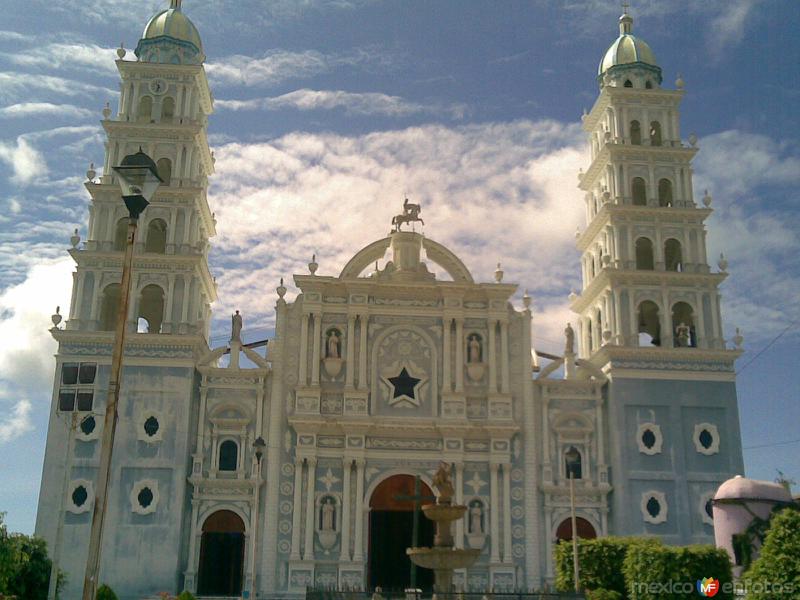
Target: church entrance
[(390, 533), (221, 555)]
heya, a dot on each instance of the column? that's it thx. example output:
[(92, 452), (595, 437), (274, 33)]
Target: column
[(315, 358), (494, 512), (77, 310), (350, 368), (170, 301), (191, 563), (303, 377), (298, 490), (619, 338), (507, 512), (459, 355), (362, 352), (460, 500), (187, 288), (344, 555), (308, 547), (446, 387), (358, 551), (492, 357), (504, 356)]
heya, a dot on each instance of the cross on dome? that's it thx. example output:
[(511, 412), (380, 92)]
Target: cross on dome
[(176, 4)]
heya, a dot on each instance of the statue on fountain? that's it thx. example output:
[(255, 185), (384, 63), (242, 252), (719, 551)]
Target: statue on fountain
[(410, 215), (443, 484)]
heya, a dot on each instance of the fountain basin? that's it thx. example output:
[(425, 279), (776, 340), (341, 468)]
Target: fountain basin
[(444, 513), (443, 558)]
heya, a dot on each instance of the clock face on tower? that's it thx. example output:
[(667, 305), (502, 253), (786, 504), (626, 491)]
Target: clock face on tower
[(158, 86)]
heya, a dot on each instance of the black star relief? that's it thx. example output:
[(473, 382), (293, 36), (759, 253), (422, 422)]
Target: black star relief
[(404, 384)]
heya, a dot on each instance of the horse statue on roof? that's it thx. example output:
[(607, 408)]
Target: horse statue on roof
[(410, 215)]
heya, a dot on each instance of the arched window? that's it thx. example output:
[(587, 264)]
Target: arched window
[(145, 111), (639, 191), (164, 167), (228, 455), (644, 254), (151, 308), (636, 133), (648, 85), (572, 463), (664, 192), (167, 109), (684, 334), (628, 83), (673, 261), (655, 133), (156, 241), (121, 235), (649, 324), (109, 307)]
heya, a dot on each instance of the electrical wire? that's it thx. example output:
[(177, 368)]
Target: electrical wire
[(767, 347)]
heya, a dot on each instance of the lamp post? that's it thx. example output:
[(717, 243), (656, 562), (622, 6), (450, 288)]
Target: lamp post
[(572, 459), (258, 447), (139, 180)]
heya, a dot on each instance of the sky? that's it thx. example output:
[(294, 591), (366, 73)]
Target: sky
[(330, 112)]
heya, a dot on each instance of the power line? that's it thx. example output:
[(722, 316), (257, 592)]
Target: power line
[(767, 347), (786, 443)]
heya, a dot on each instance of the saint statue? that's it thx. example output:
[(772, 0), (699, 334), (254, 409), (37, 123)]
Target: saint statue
[(236, 327), (443, 484), (328, 513), (476, 519), (474, 349), (683, 334), (569, 333), (333, 344)]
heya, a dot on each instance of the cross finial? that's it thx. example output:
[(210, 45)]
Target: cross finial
[(625, 6), (175, 4)]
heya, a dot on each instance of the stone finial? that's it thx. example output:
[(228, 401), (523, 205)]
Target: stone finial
[(693, 140), (91, 173), (738, 339), (573, 296), (498, 274), (107, 111), (722, 263), (56, 317), (679, 83), (584, 115), (526, 300), (121, 52), (313, 265), (75, 239), (281, 289), (707, 199), (577, 232)]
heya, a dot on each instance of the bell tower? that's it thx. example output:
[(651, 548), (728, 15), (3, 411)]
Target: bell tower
[(649, 308), (163, 110)]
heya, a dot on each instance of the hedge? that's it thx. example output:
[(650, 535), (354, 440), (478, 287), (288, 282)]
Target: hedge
[(778, 564), (105, 593), (601, 563), (654, 572)]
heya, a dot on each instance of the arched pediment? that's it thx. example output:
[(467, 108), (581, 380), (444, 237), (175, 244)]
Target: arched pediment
[(435, 252)]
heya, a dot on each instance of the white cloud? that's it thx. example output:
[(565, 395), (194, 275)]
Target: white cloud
[(365, 103), (727, 27), (17, 85), (59, 55), (25, 161), (26, 354), (31, 109)]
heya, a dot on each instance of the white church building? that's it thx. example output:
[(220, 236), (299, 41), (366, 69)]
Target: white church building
[(376, 375)]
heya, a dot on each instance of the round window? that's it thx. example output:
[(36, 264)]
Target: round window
[(706, 439), (145, 497), (151, 426), (649, 439), (79, 496), (653, 507), (88, 425)]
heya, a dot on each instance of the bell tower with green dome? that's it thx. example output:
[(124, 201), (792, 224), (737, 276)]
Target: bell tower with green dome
[(649, 310)]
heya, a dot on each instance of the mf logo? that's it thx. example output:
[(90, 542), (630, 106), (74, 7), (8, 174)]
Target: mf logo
[(708, 587)]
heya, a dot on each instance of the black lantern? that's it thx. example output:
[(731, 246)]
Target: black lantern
[(139, 180)]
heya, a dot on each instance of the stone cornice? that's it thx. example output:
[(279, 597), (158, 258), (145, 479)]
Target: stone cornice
[(625, 95), (402, 426), (193, 346), (615, 152), (611, 358)]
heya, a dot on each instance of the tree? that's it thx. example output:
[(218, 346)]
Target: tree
[(24, 565), (775, 574)]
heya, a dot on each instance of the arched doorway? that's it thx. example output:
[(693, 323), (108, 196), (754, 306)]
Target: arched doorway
[(390, 533), (585, 530), (221, 555)]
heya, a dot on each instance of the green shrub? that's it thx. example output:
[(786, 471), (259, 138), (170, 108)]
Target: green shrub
[(603, 595), (184, 595), (105, 593), (600, 561), (653, 572), (778, 563)]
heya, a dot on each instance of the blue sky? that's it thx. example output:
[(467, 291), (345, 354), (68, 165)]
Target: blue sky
[(329, 112)]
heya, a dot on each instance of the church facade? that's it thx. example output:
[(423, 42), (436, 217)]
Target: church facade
[(269, 473)]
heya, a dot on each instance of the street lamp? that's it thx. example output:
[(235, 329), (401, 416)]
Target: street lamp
[(139, 180), (573, 458)]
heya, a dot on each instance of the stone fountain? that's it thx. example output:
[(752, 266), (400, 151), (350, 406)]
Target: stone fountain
[(443, 558)]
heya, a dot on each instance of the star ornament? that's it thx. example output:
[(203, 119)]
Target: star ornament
[(404, 388)]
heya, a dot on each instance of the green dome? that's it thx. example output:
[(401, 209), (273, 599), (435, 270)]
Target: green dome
[(173, 23), (627, 49), (170, 37)]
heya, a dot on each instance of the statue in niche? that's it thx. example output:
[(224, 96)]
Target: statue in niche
[(474, 347), (569, 334), (443, 484), (683, 335), (328, 515), (334, 344), (236, 327), (475, 518)]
